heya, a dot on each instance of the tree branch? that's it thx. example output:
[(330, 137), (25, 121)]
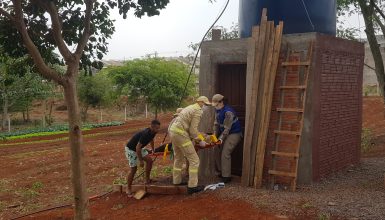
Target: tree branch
[(6, 14), (86, 33), (31, 47), (377, 9), (378, 21), (56, 29)]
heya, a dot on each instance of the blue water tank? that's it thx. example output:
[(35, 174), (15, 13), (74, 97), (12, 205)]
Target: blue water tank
[(299, 16)]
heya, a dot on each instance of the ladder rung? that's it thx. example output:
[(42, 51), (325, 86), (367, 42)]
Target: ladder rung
[(297, 133), (295, 63), (284, 154), (289, 110), (292, 87), (281, 173)]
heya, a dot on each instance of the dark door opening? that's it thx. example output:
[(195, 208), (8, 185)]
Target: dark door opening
[(231, 82)]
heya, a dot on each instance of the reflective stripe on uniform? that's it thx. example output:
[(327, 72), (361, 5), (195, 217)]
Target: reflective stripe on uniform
[(186, 144), (193, 170), (177, 169), (178, 130)]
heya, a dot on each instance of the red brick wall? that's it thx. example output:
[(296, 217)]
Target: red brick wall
[(337, 138), (336, 108)]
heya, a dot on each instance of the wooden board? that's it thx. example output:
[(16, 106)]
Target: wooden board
[(271, 70), (260, 51), (252, 44)]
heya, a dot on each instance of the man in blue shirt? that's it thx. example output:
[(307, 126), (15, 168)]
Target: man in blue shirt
[(229, 132)]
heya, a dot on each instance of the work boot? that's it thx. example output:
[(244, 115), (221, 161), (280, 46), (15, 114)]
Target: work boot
[(226, 179), (191, 190)]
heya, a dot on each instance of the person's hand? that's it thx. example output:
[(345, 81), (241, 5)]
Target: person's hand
[(202, 143), (220, 141), (141, 163)]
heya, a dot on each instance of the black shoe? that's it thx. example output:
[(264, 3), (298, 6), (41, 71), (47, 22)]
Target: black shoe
[(191, 190), (181, 184), (226, 179)]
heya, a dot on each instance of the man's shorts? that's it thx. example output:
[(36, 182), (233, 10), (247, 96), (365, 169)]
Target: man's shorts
[(132, 157)]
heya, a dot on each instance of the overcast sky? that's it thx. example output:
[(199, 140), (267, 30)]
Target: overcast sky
[(170, 33)]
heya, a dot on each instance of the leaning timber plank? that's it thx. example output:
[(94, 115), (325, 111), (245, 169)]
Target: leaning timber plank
[(249, 88), (273, 72), (257, 71), (264, 93), (162, 190)]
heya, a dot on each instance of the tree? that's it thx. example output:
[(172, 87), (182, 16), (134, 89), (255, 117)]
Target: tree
[(94, 91), (78, 30), (373, 17), (19, 86), (160, 82)]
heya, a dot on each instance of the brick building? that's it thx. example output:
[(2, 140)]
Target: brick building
[(331, 135)]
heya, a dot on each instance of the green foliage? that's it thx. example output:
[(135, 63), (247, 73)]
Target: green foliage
[(158, 81), (37, 185), (324, 216), (94, 91), (366, 140), (71, 15), (57, 129), (226, 34)]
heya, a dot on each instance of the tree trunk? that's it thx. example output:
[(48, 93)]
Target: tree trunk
[(77, 151), (368, 14), (101, 114), (24, 120), (28, 116), (5, 113), (50, 113), (125, 112), (84, 113), (156, 112), (44, 112)]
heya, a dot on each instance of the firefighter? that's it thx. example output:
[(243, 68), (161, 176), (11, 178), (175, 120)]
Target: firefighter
[(184, 134), (229, 132)]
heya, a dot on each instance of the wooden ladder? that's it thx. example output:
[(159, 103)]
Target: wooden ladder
[(281, 133)]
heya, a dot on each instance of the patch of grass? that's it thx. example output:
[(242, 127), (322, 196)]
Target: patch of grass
[(4, 183), (307, 205), (29, 207), (323, 216), (2, 206), (120, 180), (34, 153), (37, 185), (63, 198), (29, 193), (366, 140), (167, 170)]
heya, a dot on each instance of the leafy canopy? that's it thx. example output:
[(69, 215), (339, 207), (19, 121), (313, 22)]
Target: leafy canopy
[(160, 82)]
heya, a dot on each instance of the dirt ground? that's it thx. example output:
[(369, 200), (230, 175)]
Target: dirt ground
[(35, 175)]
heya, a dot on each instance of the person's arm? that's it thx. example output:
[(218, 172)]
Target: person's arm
[(227, 123), (216, 126), (139, 153), (152, 145), (196, 117)]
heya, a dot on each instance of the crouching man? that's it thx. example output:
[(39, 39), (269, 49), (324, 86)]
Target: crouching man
[(137, 155)]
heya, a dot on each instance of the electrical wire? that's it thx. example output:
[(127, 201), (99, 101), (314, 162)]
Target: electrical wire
[(199, 47), (308, 16)]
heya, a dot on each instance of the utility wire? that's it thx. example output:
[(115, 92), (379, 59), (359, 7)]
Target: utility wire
[(196, 55), (308, 16)]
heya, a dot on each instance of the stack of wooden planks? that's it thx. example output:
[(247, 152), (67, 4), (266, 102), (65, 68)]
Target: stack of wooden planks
[(262, 61)]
